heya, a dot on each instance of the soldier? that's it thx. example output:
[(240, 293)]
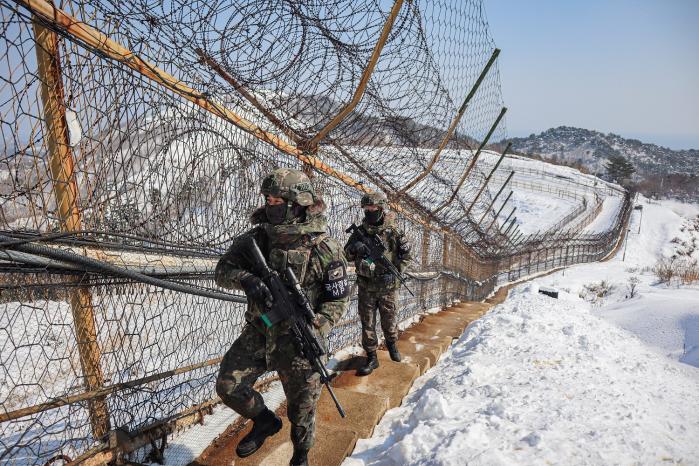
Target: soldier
[(377, 287), (291, 232)]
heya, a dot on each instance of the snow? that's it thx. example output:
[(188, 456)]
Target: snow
[(536, 381), (664, 316), (538, 211), (584, 379), (607, 216)]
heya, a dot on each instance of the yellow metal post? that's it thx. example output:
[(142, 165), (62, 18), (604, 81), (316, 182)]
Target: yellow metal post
[(359, 92), (445, 262), (66, 192)]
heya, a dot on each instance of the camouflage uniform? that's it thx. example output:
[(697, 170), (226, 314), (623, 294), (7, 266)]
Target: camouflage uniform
[(377, 287), (320, 266)]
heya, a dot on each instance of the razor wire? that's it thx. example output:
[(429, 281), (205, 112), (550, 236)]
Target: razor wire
[(164, 185)]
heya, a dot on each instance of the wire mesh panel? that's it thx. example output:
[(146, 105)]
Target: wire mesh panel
[(135, 134)]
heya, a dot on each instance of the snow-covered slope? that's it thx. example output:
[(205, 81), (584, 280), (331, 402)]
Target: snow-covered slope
[(538, 381), (583, 379), (592, 148)]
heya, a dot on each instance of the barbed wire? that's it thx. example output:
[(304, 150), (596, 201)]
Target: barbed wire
[(116, 325)]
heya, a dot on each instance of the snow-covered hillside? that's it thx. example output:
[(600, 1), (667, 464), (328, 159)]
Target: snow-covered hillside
[(590, 378), (591, 148)]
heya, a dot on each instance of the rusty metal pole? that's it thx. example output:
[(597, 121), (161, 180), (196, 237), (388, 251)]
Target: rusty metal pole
[(249, 96), (424, 261), (509, 177), (366, 75), (487, 180), (62, 168), (445, 264), (455, 121), (499, 211), (473, 161)]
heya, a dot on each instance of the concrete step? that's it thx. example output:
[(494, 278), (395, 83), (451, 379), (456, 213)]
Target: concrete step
[(499, 296), (421, 335), (470, 312), (363, 410), (424, 354), (333, 443), (391, 379), (441, 328), (454, 318), (470, 305)]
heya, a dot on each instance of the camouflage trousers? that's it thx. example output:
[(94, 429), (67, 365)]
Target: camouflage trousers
[(368, 303), (246, 361)]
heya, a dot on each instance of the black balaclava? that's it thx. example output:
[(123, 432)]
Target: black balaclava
[(276, 214), (288, 212), (374, 217)]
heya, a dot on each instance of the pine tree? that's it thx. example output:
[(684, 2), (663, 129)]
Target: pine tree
[(619, 169)]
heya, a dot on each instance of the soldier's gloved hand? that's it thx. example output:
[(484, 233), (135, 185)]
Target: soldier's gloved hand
[(255, 289), (361, 250), (388, 279)]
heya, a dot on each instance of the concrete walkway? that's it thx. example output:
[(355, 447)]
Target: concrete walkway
[(365, 399)]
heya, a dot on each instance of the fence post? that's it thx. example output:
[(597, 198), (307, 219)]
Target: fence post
[(445, 264), (474, 159), (61, 165), (487, 180), (499, 210), (424, 261), (492, 202), (452, 126), (366, 75)]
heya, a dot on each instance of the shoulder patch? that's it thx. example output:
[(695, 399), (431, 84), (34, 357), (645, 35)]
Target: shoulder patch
[(336, 273), (335, 283)]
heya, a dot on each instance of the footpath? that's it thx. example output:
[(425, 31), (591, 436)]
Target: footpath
[(365, 399)]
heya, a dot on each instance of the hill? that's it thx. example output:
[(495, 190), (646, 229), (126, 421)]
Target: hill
[(672, 173)]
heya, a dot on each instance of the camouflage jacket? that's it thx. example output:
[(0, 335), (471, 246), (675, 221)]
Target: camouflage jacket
[(372, 276), (317, 260)]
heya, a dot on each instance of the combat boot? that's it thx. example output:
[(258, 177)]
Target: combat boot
[(393, 351), (372, 362), (264, 425), (300, 458)]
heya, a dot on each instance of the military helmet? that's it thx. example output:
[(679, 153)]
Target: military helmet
[(292, 185), (376, 198)]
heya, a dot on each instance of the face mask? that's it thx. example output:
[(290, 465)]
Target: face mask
[(283, 213), (373, 217), (276, 214)]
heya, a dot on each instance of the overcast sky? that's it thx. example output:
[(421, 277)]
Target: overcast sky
[(629, 67)]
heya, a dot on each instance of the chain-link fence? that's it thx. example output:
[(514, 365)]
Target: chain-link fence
[(134, 138)]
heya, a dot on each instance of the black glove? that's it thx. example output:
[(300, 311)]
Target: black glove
[(387, 279), (256, 290), (360, 249)]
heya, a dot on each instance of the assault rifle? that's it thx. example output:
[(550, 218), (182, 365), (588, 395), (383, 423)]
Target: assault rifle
[(376, 253), (292, 305)]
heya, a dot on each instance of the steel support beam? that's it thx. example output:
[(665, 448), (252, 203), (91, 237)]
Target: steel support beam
[(454, 123), (487, 180), (474, 159), (62, 169), (499, 211), (509, 177), (366, 75)]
